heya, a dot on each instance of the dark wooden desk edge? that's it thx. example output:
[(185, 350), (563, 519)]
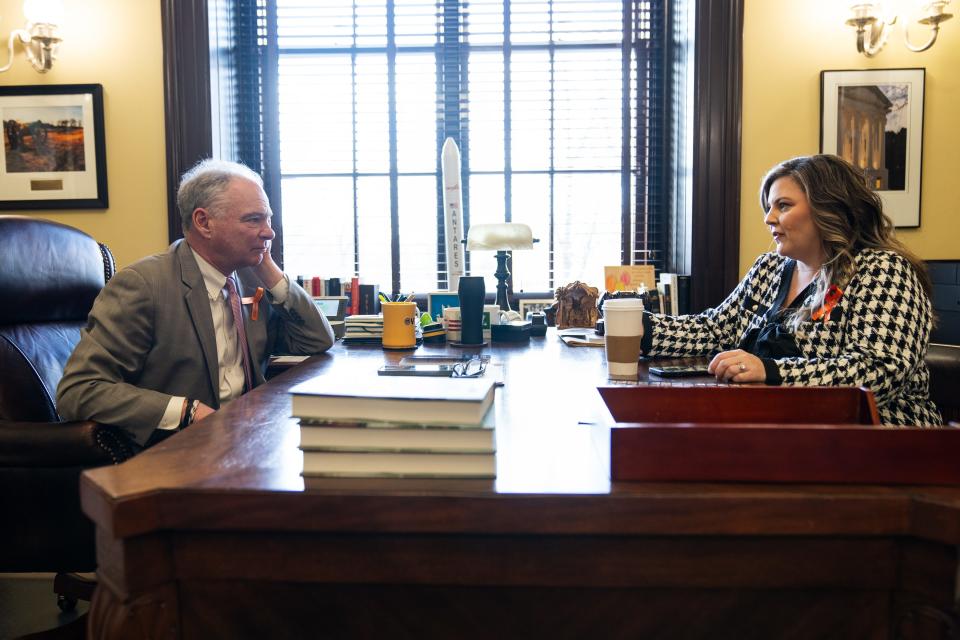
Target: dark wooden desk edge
[(667, 509)]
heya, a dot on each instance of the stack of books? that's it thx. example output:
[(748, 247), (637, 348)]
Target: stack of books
[(396, 427), (363, 329)]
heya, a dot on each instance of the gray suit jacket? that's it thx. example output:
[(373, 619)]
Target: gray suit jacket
[(150, 336)]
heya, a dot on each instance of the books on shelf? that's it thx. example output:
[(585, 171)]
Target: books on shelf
[(683, 294), (369, 299), (354, 288), (668, 288), (439, 401), (405, 465), (332, 287)]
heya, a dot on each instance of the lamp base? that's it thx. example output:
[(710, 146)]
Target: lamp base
[(502, 274)]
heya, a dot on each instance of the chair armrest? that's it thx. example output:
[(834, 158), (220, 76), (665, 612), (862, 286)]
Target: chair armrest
[(62, 444)]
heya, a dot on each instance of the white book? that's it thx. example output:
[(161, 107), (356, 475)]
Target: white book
[(405, 465), (395, 399), (397, 440), (393, 437)]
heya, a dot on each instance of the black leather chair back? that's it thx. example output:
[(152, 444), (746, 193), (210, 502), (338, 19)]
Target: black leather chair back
[(943, 360), (50, 275)]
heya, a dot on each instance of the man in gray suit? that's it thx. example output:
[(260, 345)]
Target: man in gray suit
[(161, 348)]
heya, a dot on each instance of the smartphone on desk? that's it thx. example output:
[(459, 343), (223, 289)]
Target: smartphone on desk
[(680, 371), (429, 370), (419, 359)]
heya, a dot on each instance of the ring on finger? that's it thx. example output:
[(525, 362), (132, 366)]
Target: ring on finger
[(742, 367)]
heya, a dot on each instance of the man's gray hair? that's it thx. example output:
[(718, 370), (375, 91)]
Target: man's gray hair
[(204, 185)]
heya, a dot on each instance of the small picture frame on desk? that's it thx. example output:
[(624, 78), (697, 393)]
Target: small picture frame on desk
[(533, 305), (437, 301)]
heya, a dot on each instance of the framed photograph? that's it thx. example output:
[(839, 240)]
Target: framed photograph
[(438, 300), (533, 305), (629, 277), (53, 148), (874, 119)]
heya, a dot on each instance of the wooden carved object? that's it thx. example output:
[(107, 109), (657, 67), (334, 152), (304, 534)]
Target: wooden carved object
[(577, 306)]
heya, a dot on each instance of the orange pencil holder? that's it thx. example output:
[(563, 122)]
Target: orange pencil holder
[(400, 325)]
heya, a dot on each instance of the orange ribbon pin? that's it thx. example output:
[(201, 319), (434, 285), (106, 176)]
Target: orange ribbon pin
[(829, 302), (255, 301)]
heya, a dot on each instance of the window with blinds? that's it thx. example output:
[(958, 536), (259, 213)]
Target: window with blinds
[(557, 107)]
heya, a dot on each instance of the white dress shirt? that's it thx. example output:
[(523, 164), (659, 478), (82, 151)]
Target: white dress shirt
[(228, 343)]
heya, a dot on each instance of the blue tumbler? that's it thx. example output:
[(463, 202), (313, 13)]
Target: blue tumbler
[(471, 293)]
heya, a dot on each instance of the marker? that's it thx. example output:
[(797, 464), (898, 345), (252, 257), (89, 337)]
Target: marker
[(383, 298)]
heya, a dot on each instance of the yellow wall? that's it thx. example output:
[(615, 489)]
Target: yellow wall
[(786, 45), (116, 43)]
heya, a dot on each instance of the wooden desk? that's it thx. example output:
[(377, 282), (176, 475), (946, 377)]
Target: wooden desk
[(214, 534)]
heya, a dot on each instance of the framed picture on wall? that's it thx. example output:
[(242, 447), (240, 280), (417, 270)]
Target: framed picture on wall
[(874, 119), (53, 147)]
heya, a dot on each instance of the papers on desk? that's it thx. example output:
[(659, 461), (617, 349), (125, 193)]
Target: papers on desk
[(580, 337), (287, 361)]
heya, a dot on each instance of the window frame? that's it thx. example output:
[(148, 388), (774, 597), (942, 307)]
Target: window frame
[(192, 86)]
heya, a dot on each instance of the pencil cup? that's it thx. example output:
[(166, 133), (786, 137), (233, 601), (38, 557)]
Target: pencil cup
[(400, 320), (623, 320)]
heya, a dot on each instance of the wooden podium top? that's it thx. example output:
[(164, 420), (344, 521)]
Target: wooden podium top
[(713, 404)]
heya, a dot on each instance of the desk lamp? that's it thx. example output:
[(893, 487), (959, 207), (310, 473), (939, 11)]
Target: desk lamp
[(503, 237)]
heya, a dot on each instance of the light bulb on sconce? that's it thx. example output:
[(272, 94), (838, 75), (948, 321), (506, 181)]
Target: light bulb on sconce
[(874, 22), (40, 38)]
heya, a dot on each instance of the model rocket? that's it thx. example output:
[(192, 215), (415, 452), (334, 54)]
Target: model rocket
[(452, 211)]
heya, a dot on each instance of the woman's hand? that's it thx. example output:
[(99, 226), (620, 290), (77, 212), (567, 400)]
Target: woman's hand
[(737, 366)]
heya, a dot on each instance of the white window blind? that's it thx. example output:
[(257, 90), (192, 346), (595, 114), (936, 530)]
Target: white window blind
[(555, 105)]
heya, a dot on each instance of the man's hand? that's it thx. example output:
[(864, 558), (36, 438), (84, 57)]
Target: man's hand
[(737, 366), (202, 412), (268, 271)]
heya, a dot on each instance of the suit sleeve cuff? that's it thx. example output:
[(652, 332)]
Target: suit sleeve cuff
[(171, 416), (772, 370), (281, 291), (646, 342)]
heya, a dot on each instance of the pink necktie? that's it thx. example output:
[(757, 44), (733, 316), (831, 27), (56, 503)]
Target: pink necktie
[(234, 299)]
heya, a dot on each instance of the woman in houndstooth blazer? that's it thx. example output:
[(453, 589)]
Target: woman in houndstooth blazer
[(840, 301)]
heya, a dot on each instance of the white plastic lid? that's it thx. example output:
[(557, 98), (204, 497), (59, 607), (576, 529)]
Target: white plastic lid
[(623, 303)]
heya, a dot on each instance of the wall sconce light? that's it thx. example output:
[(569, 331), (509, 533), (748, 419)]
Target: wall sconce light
[(874, 25), (39, 39)]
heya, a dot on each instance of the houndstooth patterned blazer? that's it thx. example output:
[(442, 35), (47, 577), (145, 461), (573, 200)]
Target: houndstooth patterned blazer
[(876, 337)]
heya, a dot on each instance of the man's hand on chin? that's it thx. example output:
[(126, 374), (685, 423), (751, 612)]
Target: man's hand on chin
[(268, 271)]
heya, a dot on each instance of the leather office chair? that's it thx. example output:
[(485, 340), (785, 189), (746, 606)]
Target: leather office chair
[(943, 360), (49, 276)]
